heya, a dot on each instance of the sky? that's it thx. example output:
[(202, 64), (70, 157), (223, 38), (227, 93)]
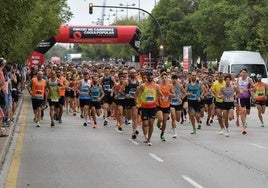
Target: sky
[(81, 15)]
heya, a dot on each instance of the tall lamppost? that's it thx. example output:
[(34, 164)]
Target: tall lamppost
[(116, 13), (139, 11), (127, 5)]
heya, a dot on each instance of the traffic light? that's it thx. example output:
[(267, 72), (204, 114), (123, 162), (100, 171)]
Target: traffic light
[(90, 8)]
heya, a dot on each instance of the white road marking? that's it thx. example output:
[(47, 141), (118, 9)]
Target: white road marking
[(192, 182), (133, 141), (259, 146), (156, 158)]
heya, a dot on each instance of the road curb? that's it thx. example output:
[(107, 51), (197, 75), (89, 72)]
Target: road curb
[(10, 132)]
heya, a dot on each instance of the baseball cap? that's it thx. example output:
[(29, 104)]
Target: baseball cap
[(149, 72)]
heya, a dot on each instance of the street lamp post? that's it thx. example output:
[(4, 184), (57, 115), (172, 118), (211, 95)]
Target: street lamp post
[(161, 47), (127, 5), (116, 13)]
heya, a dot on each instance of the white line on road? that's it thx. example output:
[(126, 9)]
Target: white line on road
[(156, 158), (192, 182), (259, 146), (133, 141)]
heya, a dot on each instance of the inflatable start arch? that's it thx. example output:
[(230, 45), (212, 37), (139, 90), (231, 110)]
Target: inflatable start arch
[(88, 35)]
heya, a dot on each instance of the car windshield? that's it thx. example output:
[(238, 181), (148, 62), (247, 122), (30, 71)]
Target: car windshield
[(252, 68)]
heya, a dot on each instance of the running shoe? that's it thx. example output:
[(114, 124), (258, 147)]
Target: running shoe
[(52, 124), (227, 135), (81, 116), (162, 138), (244, 131), (134, 136), (211, 121), (94, 126), (85, 124), (149, 143), (120, 128), (74, 113), (174, 136), (193, 131), (208, 124), (262, 125), (199, 126), (37, 124), (221, 132), (105, 123), (137, 132), (60, 120)]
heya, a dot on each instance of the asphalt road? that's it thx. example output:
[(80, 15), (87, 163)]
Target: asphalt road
[(70, 155)]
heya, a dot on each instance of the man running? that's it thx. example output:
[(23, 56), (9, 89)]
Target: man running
[(194, 93), (216, 88), (245, 84), (130, 89), (260, 95), (96, 95), (82, 89), (107, 83), (148, 93), (37, 89), (163, 112), (176, 103), (228, 93)]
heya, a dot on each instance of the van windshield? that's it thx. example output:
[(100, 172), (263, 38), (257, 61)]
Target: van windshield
[(252, 68)]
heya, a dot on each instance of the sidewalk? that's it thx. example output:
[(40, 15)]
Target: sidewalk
[(5, 141)]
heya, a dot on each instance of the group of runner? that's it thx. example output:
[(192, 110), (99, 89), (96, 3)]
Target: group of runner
[(145, 95)]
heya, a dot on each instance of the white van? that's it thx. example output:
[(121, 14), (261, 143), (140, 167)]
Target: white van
[(235, 61)]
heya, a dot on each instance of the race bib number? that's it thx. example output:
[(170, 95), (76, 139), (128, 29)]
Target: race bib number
[(193, 97), (106, 87), (132, 94), (54, 100), (149, 99), (174, 101)]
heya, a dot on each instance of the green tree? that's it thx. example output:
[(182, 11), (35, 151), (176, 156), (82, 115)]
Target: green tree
[(25, 23)]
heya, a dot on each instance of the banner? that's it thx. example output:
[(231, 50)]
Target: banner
[(187, 51)]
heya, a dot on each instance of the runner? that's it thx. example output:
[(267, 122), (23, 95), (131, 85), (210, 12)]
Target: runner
[(228, 93), (138, 104), (194, 93), (96, 95), (176, 103), (209, 100), (107, 83), (82, 88), (164, 103), (64, 84), (53, 95), (130, 89), (216, 88), (120, 100), (245, 84), (148, 93), (260, 95), (37, 89)]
